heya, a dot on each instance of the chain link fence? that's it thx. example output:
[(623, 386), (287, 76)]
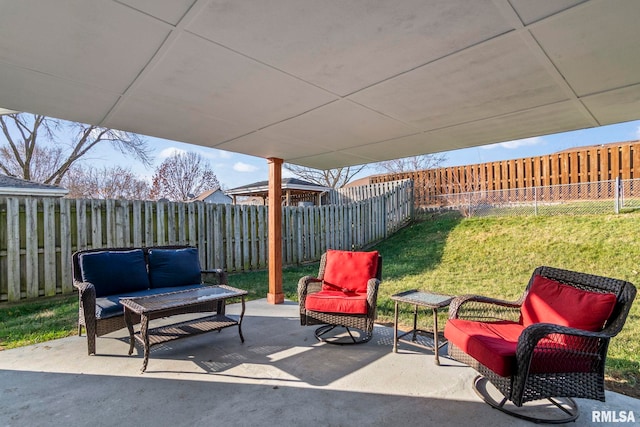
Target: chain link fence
[(612, 196)]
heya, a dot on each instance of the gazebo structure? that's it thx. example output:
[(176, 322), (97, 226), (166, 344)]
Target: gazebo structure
[(294, 192), (324, 84)]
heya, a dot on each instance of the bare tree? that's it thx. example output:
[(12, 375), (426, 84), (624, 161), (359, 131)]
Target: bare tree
[(465, 193), (106, 183), (415, 163), (334, 178), (38, 149), (182, 177)]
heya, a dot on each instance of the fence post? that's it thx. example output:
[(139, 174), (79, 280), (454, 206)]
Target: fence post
[(411, 197), (616, 196), (535, 201), (384, 215)]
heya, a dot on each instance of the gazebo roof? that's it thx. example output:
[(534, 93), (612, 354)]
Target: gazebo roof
[(261, 188)]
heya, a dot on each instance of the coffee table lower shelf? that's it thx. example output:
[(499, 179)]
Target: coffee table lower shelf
[(187, 328), (175, 331)]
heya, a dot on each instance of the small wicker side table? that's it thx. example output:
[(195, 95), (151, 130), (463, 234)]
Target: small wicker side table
[(417, 298)]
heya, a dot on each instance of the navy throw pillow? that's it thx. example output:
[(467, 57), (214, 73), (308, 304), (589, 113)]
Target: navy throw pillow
[(115, 272), (174, 267)]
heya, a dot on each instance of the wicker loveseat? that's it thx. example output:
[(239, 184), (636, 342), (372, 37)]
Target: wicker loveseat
[(103, 276), (550, 344)]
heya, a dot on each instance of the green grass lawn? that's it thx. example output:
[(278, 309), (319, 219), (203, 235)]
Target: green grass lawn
[(490, 256), (38, 321), (496, 256)]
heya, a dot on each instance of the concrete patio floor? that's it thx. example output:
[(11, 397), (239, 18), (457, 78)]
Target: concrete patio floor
[(280, 376)]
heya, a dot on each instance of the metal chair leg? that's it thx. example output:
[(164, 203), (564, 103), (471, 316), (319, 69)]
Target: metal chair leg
[(336, 339), (565, 408)]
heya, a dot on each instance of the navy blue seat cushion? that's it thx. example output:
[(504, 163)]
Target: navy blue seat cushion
[(174, 267), (109, 306), (115, 272)]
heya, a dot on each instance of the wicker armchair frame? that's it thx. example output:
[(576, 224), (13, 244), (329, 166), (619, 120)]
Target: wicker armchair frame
[(362, 322), (526, 386), (95, 326)]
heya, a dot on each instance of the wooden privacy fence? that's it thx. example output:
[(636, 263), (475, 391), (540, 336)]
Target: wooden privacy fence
[(400, 189), (587, 164), (39, 235)]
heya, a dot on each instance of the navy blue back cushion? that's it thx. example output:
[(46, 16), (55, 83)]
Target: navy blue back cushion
[(174, 267), (115, 272)]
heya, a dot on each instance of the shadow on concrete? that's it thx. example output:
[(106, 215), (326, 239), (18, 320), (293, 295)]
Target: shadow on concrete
[(280, 376), (38, 398), (289, 350)]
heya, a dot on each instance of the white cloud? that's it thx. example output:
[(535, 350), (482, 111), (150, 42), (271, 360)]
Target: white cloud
[(213, 153), (113, 133), (638, 132), (244, 167), (511, 145), (206, 154), (170, 151)]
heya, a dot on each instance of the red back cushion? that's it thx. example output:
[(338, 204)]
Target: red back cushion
[(349, 270), (549, 301)]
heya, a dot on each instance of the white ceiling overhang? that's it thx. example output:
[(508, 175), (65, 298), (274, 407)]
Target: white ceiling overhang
[(329, 83)]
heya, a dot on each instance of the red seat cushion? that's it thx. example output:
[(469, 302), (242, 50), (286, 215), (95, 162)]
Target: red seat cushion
[(494, 344), (491, 343), (333, 301), (347, 270), (549, 301)]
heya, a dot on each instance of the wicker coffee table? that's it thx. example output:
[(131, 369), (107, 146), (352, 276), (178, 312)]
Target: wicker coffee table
[(426, 299), (205, 299)]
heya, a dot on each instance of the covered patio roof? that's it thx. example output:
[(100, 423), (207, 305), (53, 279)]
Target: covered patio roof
[(324, 84)]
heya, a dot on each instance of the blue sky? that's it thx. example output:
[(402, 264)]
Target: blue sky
[(234, 169), (536, 146)]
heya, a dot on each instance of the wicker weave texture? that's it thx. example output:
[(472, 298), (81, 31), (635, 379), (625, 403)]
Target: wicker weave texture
[(96, 326), (309, 284), (588, 350)]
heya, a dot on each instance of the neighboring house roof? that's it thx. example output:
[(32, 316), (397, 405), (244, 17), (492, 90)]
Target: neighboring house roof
[(11, 186), (287, 184), (207, 194), (204, 195)]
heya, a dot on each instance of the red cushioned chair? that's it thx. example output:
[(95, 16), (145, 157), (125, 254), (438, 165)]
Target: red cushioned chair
[(343, 295), (551, 344)]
